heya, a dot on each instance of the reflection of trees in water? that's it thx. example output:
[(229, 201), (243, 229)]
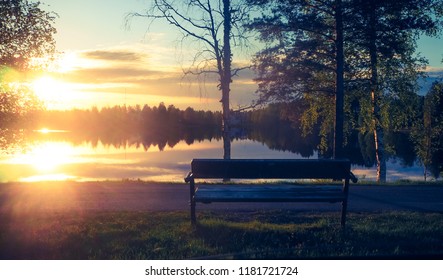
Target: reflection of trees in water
[(165, 127), (281, 137), (13, 141), (361, 149)]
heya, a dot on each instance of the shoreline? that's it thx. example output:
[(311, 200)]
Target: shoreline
[(405, 183)]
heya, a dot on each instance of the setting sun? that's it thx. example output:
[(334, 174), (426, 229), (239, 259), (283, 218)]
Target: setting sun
[(57, 94), (48, 89), (67, 62), (44, 130)]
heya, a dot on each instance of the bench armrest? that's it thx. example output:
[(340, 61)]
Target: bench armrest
[(189, 177), (353, 178)]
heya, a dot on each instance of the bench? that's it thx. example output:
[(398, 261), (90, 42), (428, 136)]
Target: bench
[(269, 169)]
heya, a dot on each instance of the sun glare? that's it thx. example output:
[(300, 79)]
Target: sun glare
[(47, 157), (56, 94), (67, 62), (44, 130), (48, 177), (47, 88)]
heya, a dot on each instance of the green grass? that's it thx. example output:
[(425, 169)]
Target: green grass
[(242, 235)]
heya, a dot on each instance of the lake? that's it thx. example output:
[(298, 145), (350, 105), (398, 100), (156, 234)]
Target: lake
[(53, 155)]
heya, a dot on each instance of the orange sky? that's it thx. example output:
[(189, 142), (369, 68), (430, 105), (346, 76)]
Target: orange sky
[(130, 75), (103, 63)]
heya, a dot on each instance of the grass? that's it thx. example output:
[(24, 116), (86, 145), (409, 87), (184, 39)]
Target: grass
[(243, 235)]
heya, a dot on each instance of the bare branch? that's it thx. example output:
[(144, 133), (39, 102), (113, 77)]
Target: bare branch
[(249, 107), (235, 71)]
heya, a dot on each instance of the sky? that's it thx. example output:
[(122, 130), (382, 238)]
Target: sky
[(105, 63)]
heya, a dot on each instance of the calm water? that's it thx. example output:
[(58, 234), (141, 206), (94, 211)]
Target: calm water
[(50, 158)]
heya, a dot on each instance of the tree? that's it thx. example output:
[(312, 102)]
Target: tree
[(359, 50), (427, 133), (26, 34), (215, 26), (17, 104), (26, 43), (386, 31), (305, 58)]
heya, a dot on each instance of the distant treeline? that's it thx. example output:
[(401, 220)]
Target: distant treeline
[(129, 118), (157, 125)]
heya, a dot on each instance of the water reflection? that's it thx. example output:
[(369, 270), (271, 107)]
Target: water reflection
[(62, 155), (61, 160)]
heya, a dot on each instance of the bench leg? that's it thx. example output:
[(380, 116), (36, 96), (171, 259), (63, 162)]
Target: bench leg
[(344, 206), (193, 217), (192, 202)]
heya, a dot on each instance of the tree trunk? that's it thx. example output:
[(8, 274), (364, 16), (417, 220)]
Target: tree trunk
[(378, 138), (339, 95), (425, 172), (376, 98), (226, 79)]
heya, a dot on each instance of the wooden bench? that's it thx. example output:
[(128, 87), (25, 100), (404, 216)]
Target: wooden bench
[(269, 169)]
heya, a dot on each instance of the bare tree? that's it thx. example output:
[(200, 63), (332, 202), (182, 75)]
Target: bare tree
[(216, 26)]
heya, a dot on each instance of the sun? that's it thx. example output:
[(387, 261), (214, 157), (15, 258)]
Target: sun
[(47, 88), (44, 130), (67, 62), (54, 93)]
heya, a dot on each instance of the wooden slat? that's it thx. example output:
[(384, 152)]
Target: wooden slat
[(270, 169), (207, 194)]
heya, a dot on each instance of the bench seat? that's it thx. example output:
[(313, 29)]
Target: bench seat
[(208, 194)]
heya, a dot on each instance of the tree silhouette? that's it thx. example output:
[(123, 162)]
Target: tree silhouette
[(360, 50), (26, 43), (216, 27), (305, 58), (26, 33)]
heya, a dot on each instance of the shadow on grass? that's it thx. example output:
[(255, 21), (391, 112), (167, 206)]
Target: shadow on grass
[(239, 235), (291, 235)]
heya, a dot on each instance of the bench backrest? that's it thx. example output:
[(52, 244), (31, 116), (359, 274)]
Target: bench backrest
[(270, 169)]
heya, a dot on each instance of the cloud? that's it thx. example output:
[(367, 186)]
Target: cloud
[(145, 73), (141, 63), (122, 64), (114, 55), (112, 73)]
